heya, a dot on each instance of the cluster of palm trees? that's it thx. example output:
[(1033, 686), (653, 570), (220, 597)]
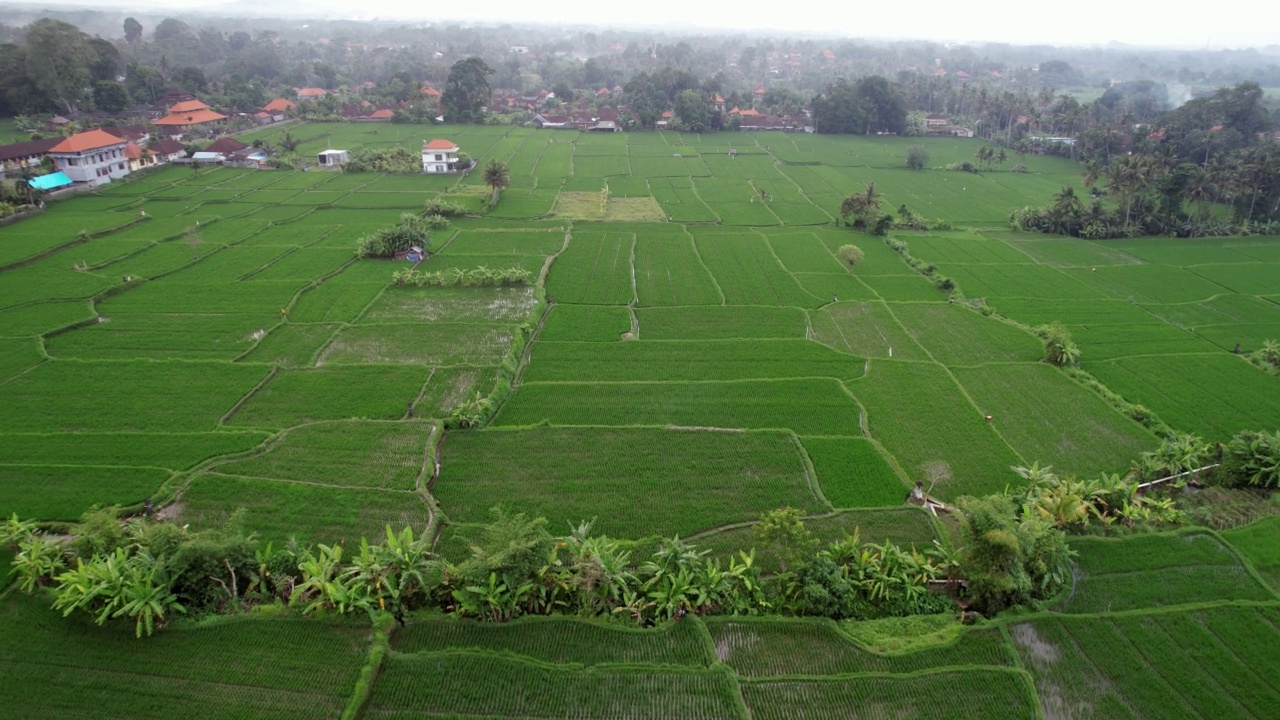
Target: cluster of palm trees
[(987, 155), (1072, 503), (1154, 193)]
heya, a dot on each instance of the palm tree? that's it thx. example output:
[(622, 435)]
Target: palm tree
[(1093, 172), (495, 176), (1066, 210)]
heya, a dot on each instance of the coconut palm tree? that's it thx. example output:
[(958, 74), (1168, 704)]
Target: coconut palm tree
[(495, 176)]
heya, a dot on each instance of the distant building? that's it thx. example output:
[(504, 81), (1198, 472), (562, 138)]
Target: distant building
[(305, 94), (439, 156), (26, 153), (187, 114), (94, 157), (333, 158), (166, 151), (138, 157)]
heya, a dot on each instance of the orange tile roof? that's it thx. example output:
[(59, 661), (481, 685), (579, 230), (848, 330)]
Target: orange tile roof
[(440, 145), (91, 140), (190, 118), (188, 106), (312, 92), (430, 92), (133, 152), (279, 104), (381, 114)]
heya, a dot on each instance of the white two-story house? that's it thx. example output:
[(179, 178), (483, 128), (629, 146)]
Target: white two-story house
[(95, 157), (439, 156)]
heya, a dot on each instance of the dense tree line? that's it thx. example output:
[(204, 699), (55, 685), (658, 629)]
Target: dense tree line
[(1205, 168)]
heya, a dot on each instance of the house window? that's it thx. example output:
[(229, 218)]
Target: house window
[(439, 157)]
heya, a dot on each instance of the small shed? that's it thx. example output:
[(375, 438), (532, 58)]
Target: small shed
[(333, 158), (52, 181)]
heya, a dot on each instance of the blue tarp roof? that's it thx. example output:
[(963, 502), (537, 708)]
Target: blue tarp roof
[(50, 181)]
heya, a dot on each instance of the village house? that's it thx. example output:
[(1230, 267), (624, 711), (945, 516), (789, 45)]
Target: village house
[(307, 94), (26, 153), (94, 157), (167, 150), (554, 122), (188, 114), (439, 156), (139, 158), (276, 109)]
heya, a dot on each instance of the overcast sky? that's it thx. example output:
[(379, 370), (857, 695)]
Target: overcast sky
[(1218, 24)]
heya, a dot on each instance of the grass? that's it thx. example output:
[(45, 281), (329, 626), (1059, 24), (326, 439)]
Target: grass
[(1158, 570), (959, 455), (817, 647), (1198, 663), (278, 510), (853, 473), (743, 321), (1259, 543), (268, 667), (350, 453), (634, 483)]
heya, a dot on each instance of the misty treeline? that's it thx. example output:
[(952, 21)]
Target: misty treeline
[(239, 62)]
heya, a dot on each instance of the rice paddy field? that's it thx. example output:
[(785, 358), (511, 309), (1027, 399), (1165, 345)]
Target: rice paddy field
[(691, 355)]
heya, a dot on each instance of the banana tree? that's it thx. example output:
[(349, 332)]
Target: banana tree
[(146, 594), (38, 560)]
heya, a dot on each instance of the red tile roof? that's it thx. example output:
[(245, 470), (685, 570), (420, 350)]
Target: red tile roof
[(188, 106), (225, 145), (91, 140), (312, 92), (381, 115), (279, 105), (430, 92), (440, 145), (190, 118)]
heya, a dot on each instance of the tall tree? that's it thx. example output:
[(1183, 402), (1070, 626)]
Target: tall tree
[(107, 64), (495, 176), (466, 91), (132, 31), (58, 61), (110, 96)]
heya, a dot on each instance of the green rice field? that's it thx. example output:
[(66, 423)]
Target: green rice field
[(676, 371)]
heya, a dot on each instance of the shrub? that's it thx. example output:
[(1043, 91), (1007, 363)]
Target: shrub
[(1252, 458), (1058, 348), (917, 157), (436, 206), (850, 255), (393, 160), (388, 242)]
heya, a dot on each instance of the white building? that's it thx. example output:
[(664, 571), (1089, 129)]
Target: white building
[(95, 157), (439, 156), (333, 158)]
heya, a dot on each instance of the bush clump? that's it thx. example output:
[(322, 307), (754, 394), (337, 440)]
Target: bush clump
[(411, 231)]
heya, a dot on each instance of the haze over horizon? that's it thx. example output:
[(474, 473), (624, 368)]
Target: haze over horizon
[(1087, 22)]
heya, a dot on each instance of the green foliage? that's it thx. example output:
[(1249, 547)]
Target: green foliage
[(852, 579), (782, 532), (1010, 558), (444, 208), (466, 91), (850, 255), (917, 157), (397, 160), (871, 105), (1058, 347), (1252, 458), (411, 231)]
